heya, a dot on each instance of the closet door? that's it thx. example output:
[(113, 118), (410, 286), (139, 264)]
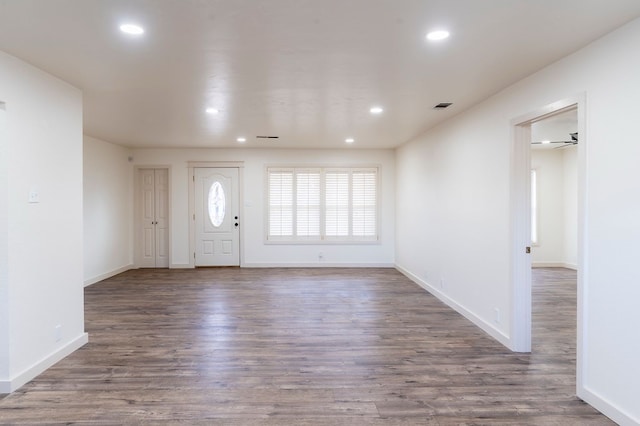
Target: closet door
[(161, 232), (153, 223)]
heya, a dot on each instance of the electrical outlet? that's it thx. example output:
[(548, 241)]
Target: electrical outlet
[(441, 283), (497, 315), (34, 196), (57, 332)]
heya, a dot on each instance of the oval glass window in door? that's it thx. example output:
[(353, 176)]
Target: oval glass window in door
[(217, 204)]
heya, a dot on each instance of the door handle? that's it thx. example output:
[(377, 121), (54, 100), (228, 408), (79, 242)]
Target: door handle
[(236, 224)]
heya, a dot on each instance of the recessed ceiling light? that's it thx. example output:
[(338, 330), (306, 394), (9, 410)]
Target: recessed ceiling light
[(212, 111), (546, 142), (350, 140), (132, 29), (437, 35), (241, 140), (376, 110)]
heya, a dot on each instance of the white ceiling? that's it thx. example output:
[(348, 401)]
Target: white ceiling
[(304, 70)]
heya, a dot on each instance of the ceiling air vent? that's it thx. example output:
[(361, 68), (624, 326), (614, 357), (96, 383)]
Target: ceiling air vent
[(267, 137), (443, 105)]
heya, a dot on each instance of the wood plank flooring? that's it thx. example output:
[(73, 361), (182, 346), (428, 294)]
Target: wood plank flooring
[(235, 346)]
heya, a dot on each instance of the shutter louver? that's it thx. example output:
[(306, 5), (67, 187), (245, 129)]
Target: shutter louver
[(364, 201), (281, 203), (308, 204), (337, 204)]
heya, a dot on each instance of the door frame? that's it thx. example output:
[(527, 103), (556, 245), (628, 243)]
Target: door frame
[(137, 209), (192, 165), (520, 229)]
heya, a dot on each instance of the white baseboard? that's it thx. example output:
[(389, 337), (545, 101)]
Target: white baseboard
[(607, 408), (481, 323), (181, 266), (317, 265), (554, 265), (106, 275), (19, 380)]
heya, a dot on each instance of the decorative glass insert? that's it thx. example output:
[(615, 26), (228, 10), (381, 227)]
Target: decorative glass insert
[(217, 203)]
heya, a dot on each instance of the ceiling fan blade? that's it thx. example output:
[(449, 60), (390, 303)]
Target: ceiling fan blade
[(551, 142)]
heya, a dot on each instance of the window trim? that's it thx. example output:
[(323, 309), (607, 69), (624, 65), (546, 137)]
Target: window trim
[(323, 239), (534, 199)]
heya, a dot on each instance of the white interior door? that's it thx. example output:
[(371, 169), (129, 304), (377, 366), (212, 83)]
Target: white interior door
[(161, 188), (217, 223), (153, 220)]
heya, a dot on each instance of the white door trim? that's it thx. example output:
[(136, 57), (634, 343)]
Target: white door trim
[(521, 230), (521, 238), (192, 165), (136, 210)]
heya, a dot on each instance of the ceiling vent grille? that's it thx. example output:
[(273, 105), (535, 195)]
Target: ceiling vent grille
[(443, 105)]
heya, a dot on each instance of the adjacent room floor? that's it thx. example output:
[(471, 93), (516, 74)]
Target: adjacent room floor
[(303, 346)]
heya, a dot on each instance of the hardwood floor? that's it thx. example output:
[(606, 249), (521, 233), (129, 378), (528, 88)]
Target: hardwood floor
[(301, 347)]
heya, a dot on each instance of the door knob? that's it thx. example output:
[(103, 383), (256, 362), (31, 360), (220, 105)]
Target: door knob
[(236, 224)]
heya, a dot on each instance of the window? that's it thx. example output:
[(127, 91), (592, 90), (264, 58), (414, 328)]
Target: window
[(322, 204), (534, 208)]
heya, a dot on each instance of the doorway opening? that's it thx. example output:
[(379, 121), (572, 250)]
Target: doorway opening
[(554, 190), (554, 241), (523, 250)]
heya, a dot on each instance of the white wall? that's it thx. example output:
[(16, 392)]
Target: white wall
[(4, 249), (108, 209), (451, 210), (557, 207), (44, 239), (453, 207), (256, 252)]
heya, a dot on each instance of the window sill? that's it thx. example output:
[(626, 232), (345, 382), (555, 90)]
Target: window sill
[(322, 242)]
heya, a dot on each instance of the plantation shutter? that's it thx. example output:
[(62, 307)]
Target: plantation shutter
[(337, 204), (308, 203), (281, 203), (364, 203)]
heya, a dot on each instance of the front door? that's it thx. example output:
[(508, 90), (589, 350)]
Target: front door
[(217, 217)]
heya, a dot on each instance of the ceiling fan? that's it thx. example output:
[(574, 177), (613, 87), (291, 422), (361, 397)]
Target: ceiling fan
[(572, 141)]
